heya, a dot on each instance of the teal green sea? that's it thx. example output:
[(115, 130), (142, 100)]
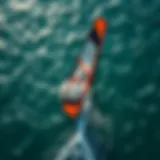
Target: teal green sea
[(39, 42)]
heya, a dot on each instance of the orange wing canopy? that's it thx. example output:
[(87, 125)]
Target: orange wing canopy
[(72, 110), (100, 27)]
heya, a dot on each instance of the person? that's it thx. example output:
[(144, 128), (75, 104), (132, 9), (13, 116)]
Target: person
[(71, 90)]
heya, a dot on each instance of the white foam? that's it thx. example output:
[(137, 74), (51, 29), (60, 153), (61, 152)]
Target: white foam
[(2, 17), (42, 51), (97, 12), (113, 3), (146, 90), (53, 9), (21, 5), (70, 38), (75, 19), (3, 44), (4, 79), (76, 4), (28, 35), (58, 64), (45, 32)]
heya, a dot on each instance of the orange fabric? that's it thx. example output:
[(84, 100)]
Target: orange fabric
[(100, 26), (72, 110)]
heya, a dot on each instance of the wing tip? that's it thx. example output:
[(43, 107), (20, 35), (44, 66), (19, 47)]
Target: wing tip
[(71, 109), (100, 25), (98, 31)]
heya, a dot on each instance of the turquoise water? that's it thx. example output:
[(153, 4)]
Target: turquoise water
[(39, 41)]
